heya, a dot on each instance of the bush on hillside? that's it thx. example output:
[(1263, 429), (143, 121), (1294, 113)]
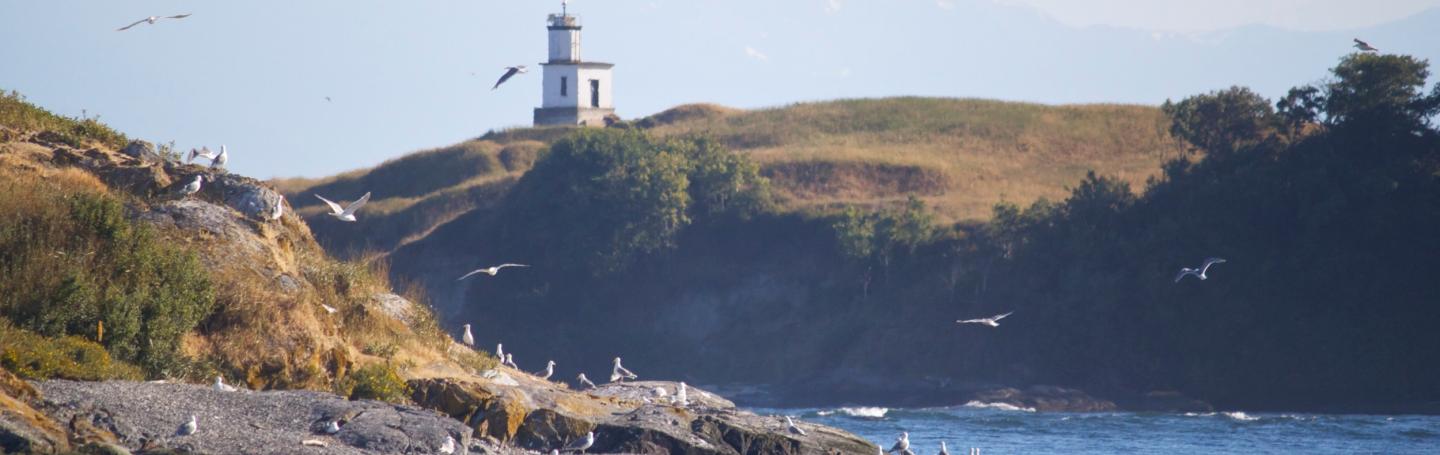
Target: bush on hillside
[(377, 381), (18, 114), (71, 261), (32, 356)]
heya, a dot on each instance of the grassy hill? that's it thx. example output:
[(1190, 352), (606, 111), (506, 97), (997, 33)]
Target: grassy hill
[(961, 156)]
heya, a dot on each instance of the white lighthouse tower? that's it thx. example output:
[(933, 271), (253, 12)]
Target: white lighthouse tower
[(576, 92)]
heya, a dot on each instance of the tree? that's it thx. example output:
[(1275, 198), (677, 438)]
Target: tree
[(1223, 121), (1380, 92)]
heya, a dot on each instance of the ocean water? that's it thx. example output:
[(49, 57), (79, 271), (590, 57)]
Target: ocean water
[(1009, 430)]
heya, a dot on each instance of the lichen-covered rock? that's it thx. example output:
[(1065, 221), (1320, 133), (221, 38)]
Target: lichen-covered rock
[(142, 151), (397, 307), (145, 415), (22, 428)]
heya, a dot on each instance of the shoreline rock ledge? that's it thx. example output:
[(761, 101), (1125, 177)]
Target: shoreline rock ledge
[(499, 412)]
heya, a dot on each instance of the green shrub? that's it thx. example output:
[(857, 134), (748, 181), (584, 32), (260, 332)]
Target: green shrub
[(33, 356), (19, 114), (70, 260), (377, 381)]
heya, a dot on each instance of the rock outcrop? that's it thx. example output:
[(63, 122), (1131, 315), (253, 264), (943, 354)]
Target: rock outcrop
[(22, 428)]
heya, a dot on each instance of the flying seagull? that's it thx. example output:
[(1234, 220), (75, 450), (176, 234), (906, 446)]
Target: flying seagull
[(187, 429), (583, 444), (219, 160), (586, 381), (549, 371), (203, 151), (1200, 272), (902, 444), (993, 321), (346, 213), (327, 99), (489, 270), (618, 373), (151, 20), (1364, 46), (192, 187), (510, 71), (793, 428), (468, 338), (220, 385)]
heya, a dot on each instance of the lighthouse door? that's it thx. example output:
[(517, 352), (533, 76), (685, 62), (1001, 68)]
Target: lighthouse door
[(594, 93)]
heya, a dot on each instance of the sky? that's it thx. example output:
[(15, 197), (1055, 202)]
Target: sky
[(407, 76)]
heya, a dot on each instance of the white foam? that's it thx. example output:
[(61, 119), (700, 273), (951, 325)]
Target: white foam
[(865, 412), (998, 406), (1241, 416)]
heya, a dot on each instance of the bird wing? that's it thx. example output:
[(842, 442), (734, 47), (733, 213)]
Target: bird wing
[(505, 77), (127, 27), (1362, 43), (997, 318), (357, 204), (501, 266), (1182, 274), (1210, 262), (334, 208), (468, 275), (969, 321), (178, 16)]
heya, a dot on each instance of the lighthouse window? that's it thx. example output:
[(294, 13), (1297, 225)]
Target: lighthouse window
[(564, 86)]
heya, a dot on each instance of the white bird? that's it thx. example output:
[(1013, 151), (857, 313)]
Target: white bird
[(510, 361), (221, 159), (583, 444), (203, 152), (468, 338), (1200, 272), (188, 428), (1364, 46), (279, 209), (500, 351), (192, 187), (328, 308), (902, 444), (332, 427), (681, 396), (793, 428), (449, 446), (346, 213), (549, 371), (489, 270), (993, 321), (151, 20), (660, 392), (220, 385), (943, 450), (618, 373), (586, 381), (510, 71)]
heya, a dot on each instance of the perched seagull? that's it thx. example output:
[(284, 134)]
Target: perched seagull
[(793, 428), (332, 427), (468, 338), (510, 71), (902, 444), (583, 444), (220, 385), (1364, 46), (192, 187), (449, 446), (585, 381), (993, 321), (1200, 272), (943, 450), (279, 209), (328, 308), (549, 371), (510, 361), (151, 20), (489, 270), (219, 160), (346, 213), (660, 392), (681, 396), (500, 351), (618, 373), (188, 428), (203, 151)]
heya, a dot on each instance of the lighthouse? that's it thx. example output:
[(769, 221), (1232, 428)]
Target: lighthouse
[(576, 92)]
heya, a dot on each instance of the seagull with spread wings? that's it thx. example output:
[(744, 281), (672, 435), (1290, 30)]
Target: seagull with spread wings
[(510, 71), (488, 270), (151, 20), (1364, 46), (993, 321), (1198, 272), (345, 213)]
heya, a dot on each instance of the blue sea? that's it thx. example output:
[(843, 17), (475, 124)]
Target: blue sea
[(1008, 430)]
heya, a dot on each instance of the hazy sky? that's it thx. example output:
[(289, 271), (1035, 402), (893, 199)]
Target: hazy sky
[(255, 74)]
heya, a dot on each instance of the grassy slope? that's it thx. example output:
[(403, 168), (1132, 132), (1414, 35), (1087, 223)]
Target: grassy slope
[(960, 155)]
